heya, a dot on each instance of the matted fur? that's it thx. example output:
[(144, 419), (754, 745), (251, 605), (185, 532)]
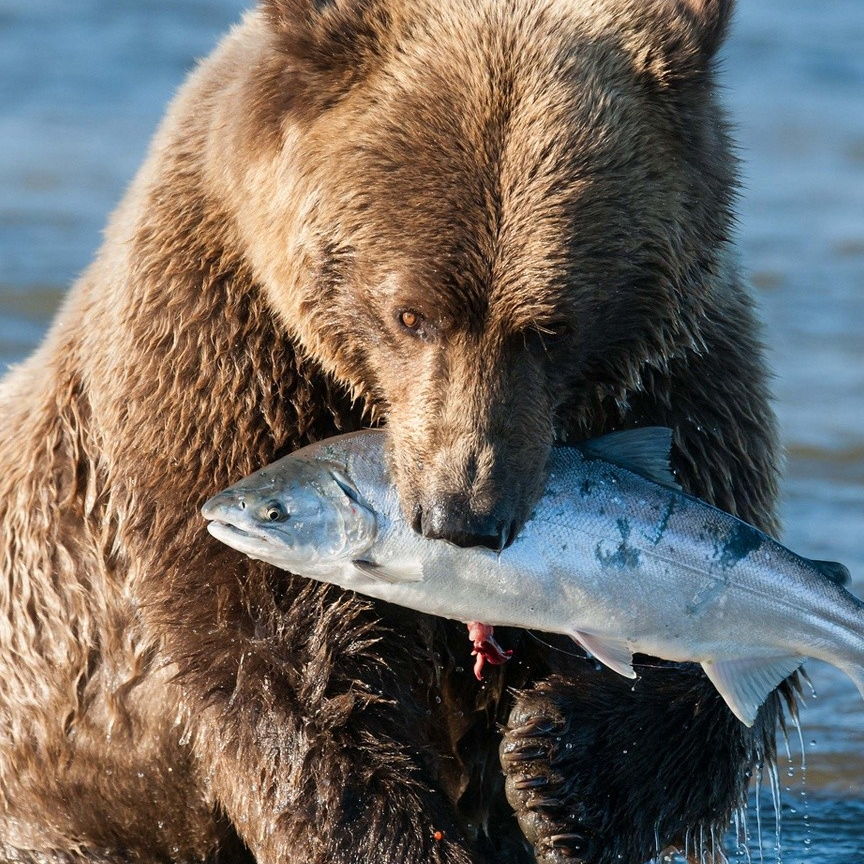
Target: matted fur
[(548, 185)]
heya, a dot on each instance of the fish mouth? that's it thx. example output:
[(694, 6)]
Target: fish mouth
[(253, 545), (222, 530)]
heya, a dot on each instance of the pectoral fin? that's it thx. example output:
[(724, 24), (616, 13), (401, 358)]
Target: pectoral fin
[(393, 574), (614, 653), (745, 684)]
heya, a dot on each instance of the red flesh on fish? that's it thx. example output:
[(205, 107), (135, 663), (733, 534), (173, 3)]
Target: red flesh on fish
[(485, 647)]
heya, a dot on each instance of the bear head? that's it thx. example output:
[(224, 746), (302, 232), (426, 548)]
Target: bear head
[(479, 214)]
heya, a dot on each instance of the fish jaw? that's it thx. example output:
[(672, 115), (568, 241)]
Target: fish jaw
[(261, 548), (237, 527)]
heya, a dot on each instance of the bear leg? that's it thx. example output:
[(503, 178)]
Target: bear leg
[(316, 748), (603, 770)]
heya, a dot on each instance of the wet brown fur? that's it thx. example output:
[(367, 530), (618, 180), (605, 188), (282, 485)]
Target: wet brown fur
[(549, 186)]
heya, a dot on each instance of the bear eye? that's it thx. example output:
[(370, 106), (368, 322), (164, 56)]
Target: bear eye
[(556, 330), (411, 320), (274, 511), (546, 336)]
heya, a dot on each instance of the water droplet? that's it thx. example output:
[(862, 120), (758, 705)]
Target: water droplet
[(758, 790), (774, 784)]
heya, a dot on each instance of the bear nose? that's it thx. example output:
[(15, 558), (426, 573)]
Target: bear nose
[(450, 518)]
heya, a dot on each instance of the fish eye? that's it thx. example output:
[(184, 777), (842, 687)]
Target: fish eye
[(275, 511)]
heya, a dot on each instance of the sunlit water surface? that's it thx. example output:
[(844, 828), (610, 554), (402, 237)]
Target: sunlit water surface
[(83, 84)]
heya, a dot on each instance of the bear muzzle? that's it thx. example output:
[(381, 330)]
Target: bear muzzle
[(450, 517)]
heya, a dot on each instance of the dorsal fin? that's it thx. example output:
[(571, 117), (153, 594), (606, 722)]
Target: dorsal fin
[(644, 451), (833, 570)]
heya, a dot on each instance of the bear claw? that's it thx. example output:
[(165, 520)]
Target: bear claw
[(531, 782), (544, 805), (571, 847), (526, 753), (535, 727)]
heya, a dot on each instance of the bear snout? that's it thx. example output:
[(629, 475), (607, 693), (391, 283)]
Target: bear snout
[(471, 469), (450, 517)]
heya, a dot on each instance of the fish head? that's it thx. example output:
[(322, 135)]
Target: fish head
[(302, 515)]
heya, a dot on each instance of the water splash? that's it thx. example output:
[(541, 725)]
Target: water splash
[(774, 783), (718, 854), (802, 673), (742, 832), (757, 779), (805, 816)]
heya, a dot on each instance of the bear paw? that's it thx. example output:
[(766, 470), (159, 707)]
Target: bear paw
[(533, 756), (600, 769)]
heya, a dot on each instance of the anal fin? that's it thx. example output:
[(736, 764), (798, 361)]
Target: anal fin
[(614, 653), (745, 683)]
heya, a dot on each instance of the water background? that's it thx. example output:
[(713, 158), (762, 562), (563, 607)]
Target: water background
[(83, 84)]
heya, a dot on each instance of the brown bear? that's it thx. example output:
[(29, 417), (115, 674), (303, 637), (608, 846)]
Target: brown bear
[(487, 224)]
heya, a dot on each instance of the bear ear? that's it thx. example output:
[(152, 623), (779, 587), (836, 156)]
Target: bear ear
[(684, 36), (709, 20), (331, 41)]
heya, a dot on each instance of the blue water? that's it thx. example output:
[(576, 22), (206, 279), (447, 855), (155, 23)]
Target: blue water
[(83, 84)]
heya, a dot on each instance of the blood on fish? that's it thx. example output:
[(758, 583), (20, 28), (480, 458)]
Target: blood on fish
[(486, 648)]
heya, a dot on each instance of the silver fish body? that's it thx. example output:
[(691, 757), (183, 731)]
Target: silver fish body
[(621, 563)]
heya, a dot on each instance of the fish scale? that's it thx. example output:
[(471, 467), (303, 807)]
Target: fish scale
[(614, 554)]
